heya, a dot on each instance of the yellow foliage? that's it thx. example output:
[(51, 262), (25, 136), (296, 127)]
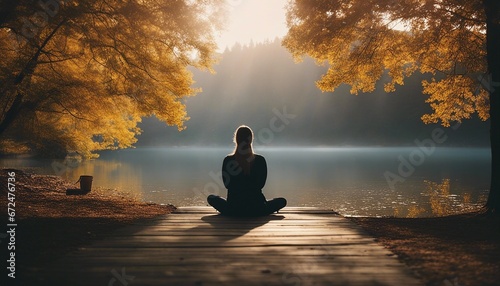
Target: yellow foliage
[(439, 197), (454, 99), (415, 211), (467, 198), (97, 67), (363, 39)]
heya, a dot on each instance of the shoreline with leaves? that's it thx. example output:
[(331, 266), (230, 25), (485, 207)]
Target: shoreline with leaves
[(452, 250), (455, 250), (51, 224)]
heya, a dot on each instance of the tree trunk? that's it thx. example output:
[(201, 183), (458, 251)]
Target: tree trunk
[(12, 113), (492, 9), (28, 69)]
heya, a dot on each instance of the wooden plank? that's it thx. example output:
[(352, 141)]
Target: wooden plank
[(243, 252), (195, 246), (259, 276), (223, 243), (262, 253), (230, 232), (286, 210), (138, 260), (241, 267)]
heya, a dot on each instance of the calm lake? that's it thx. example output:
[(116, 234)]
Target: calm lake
[(403, 182)]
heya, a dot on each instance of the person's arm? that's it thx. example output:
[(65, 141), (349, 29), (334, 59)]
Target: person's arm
[(230, 169), (261, 172)]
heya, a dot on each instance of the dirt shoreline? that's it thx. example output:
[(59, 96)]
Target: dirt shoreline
[(51, 224), (452, 251)]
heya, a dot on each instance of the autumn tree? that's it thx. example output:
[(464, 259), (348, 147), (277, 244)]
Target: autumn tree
[(79, 75), (455, 41)]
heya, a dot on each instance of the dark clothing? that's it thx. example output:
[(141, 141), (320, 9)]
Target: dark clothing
[(244, 189), (266, 208)]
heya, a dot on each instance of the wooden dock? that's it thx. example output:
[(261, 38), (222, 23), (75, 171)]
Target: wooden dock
[(195, 246)]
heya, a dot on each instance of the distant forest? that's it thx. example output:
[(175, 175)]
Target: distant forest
[(247, 87)]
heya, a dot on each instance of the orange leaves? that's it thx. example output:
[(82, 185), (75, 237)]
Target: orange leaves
[(445, 38), (113, 63), (453, 99)]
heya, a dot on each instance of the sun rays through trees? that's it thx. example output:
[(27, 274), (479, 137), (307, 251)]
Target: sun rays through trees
[(79, 75)]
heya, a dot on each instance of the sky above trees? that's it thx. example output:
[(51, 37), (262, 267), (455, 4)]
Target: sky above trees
[(253, 20)]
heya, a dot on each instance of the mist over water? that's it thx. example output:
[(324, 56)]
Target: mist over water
[(352, 181), (282, 105), (261, 86)]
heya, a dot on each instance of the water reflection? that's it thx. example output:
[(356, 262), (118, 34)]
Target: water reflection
[(443, 202), (112, 175), (348, 180), (438, 199)]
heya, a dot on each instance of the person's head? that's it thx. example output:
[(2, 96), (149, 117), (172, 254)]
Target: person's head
[(243, 137)]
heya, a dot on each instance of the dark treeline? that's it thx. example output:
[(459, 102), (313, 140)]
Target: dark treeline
[(252, 81)]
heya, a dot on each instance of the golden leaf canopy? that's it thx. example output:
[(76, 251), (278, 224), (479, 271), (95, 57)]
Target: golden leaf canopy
[(80, 75), (360, 40)]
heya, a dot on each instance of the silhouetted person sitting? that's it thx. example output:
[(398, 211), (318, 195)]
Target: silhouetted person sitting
[(244, 174)]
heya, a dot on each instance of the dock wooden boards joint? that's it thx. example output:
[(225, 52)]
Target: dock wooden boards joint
[(196, 246)]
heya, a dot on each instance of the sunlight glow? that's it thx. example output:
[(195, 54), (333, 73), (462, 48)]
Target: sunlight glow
[(253, 20)]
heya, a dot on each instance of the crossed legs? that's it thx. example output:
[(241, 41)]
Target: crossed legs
[(221, 205)]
